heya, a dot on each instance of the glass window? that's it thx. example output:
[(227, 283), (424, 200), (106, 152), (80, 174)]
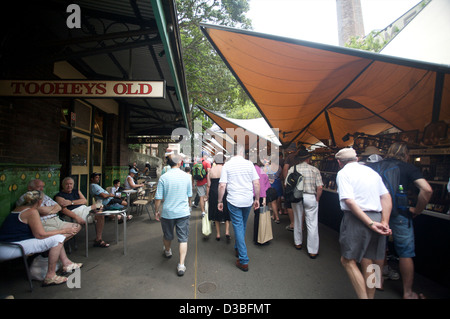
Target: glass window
[(97, 153), (79, 151), (98, 124), (83, 116)]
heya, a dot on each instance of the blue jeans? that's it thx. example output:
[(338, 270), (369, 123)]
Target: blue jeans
[(239, 216)]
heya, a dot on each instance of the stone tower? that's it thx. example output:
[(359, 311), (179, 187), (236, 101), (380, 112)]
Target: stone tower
[(350, 20)]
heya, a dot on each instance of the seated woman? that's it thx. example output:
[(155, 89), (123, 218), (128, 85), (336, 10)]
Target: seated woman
[(23, 226)]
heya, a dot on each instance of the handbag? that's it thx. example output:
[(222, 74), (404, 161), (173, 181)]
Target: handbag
[(265, 226), (206, 224)]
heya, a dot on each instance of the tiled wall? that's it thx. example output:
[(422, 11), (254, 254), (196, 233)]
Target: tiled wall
[(110, 173), (14, 180)]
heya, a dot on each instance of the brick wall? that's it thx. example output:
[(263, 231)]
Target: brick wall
[(29, 131)]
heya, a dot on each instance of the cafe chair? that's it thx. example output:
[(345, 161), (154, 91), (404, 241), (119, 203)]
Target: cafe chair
[(146, 198), (141, 201), (17, 255)]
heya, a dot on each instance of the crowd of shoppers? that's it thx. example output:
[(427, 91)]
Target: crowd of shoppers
[(232, 188)]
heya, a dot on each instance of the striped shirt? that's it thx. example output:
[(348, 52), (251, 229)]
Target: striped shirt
[(239, 174), (311, 177), (175, 187)]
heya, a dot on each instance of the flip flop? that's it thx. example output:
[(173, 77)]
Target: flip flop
[(55, 280)]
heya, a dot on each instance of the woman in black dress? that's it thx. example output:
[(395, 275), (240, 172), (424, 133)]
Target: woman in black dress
[(212, 193)]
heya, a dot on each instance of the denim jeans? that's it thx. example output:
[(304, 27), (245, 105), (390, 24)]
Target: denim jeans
[(239, 216)]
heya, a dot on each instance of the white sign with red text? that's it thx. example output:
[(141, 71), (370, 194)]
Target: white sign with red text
[(83, 88)]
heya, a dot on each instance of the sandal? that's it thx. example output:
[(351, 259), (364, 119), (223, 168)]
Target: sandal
[(101, 243), (72, 267), (55, 280)]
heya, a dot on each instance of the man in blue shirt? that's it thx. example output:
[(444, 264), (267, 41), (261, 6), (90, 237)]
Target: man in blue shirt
[(108, 200), (175, 187)]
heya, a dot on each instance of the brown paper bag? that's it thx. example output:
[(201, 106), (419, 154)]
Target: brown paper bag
[(265, 226)]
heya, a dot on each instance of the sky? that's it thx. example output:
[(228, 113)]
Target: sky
[(316, 21)]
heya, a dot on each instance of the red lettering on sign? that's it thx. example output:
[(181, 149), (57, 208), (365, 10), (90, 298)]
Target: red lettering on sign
[(16, 86), (101, 88), (143, 86), (31, 91), (123, 89)]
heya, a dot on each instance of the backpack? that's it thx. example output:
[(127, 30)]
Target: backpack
[(390, 173), (198, 171), (294, 186)]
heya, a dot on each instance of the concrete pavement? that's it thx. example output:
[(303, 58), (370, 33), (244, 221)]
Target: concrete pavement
[(276, 271)]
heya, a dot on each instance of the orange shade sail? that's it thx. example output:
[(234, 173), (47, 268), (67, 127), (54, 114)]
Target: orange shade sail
[(311, 91)]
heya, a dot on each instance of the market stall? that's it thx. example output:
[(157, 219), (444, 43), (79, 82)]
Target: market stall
[(314, 92)]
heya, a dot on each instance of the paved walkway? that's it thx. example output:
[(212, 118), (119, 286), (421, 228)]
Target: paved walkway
[(276, 271)]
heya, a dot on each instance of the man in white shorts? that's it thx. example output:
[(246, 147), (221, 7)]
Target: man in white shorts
[(74, 205)]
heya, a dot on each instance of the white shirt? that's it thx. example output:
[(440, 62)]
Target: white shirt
[(361, 183), (239, 174)]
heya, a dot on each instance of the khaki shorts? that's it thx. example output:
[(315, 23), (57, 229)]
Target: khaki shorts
[(55, 223)]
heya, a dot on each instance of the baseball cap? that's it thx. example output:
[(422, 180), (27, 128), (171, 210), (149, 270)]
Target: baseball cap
[(95, 174)]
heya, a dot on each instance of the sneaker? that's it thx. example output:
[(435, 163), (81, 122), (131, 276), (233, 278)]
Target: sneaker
[(181, 269), (168, 253), (390, 273)]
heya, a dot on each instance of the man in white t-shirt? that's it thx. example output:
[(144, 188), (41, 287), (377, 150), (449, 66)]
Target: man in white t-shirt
[(366, 205), (240, 179)]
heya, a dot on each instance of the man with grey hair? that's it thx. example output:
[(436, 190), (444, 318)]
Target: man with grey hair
[(175, 187), (240, 179), (48, 210), (366, 205), (74, 205)]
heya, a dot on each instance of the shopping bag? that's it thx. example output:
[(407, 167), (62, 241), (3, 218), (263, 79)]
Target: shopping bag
[(206, 224), (265, 226)]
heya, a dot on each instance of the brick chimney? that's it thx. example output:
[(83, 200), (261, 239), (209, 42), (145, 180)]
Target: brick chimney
[(350, 20)]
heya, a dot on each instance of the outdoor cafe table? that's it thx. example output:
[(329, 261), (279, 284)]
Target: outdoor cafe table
[(129, 192)]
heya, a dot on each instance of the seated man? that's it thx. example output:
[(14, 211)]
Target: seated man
[(48, 210), (108, 200), (73, 205), (129, 181)]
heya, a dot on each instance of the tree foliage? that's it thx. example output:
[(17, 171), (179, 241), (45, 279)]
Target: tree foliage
[(371, 42), (210, 83)]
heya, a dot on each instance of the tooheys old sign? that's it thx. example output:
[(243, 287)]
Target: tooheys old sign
[(83, 88)]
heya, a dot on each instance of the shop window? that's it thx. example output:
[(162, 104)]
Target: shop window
[(98, 124), (79, 151), (65, 115), (83, 116), (97, 153)]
